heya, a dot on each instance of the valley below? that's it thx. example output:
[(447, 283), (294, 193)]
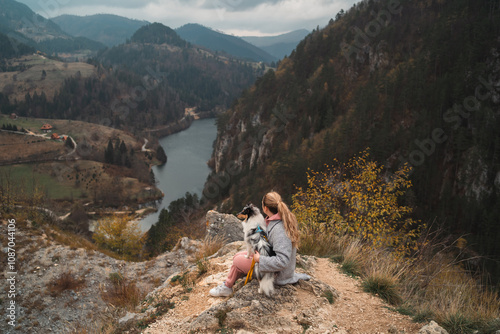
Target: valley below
[(68, 164)]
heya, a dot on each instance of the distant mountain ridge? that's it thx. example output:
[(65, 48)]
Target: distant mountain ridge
[(20, 23), (108, 29), (279, 46), (19, 18), (216, 41)]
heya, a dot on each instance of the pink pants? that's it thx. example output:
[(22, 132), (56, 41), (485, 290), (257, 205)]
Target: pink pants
[(240, 268)]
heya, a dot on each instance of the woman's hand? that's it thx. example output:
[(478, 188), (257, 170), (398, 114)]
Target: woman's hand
[(256, 257)]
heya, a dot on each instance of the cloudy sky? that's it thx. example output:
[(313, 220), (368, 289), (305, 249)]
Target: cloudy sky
[(238, 17)]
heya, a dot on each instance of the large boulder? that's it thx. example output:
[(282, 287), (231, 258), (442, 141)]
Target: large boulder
[(225, 226)]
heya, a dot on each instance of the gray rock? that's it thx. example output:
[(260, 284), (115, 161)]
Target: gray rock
[(188, 245), (224, 225), (432, 328), (127, 317)]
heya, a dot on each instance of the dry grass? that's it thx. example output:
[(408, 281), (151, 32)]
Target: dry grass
[(103, 323), (433, 284), (210, 246), (66, 281), (382, 273), (122, 292), (458, 300), (352, 255), (317, 244), (384, 286)]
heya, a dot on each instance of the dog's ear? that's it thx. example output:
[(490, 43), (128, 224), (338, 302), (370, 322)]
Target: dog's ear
[(243, 214)]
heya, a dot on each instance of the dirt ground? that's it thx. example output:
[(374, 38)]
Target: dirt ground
[(357, 311)]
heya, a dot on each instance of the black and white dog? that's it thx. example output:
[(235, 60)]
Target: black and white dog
[(254, 228)]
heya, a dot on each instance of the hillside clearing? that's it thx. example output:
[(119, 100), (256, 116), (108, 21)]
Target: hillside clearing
[(29, 78)]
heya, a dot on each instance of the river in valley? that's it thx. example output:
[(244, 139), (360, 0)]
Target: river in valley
[(186, 169)]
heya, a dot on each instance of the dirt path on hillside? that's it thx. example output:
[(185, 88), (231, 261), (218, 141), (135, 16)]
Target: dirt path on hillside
[(355, 311)]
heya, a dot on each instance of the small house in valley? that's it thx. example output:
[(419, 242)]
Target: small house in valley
[(46, 128)]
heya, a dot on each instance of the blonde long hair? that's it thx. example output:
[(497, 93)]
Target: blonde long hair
[(275, 204)]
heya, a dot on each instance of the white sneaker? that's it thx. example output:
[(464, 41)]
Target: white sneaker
[(221, 291)]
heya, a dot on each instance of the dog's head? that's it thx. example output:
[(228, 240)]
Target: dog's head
[(248, 211)]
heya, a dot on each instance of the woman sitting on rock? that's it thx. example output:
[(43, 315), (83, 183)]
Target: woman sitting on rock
[(283, 235)]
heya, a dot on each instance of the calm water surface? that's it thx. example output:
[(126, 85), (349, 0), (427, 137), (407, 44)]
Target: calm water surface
[(186, 169)]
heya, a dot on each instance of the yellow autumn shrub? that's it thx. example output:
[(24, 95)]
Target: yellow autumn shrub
[(361, 199), (119, 234)]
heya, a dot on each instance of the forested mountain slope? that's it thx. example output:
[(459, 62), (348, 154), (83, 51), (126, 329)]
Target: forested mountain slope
[(416, 81), (185, 75), (144, 84)]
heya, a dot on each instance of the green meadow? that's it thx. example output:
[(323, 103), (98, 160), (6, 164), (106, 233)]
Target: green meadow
[(25, 177)]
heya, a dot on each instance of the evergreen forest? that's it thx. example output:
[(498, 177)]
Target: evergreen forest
[(415, 82)]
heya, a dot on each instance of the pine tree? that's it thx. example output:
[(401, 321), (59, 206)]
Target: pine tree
[(123, 154), (109, 153), (117, 158)]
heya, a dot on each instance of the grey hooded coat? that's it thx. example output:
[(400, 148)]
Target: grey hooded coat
[(283, 264)]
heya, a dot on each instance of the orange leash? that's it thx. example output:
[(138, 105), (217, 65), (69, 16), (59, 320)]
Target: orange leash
[(250, 272)]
